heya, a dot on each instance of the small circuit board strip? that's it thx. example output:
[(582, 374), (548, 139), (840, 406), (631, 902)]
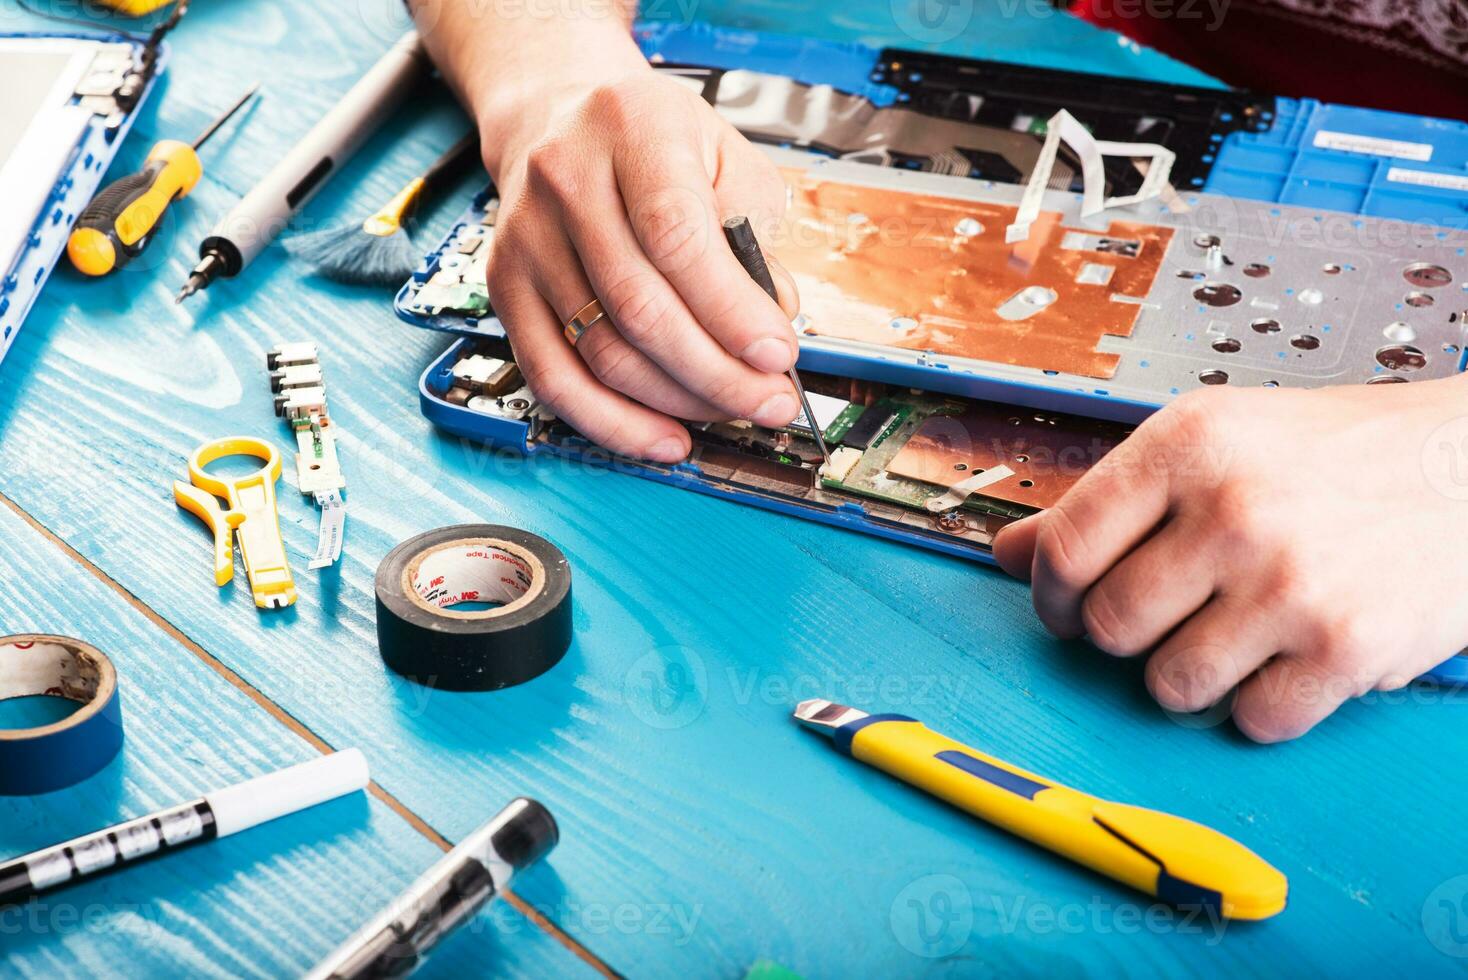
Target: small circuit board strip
[(300, 399)]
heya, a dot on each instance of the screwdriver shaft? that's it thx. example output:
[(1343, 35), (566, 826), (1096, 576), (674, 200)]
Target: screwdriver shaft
[(810, 416), (740, 236), (224, 118)]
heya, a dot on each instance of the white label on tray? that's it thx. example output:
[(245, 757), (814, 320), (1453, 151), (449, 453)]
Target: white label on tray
[(1426, 178), (1326, 139)]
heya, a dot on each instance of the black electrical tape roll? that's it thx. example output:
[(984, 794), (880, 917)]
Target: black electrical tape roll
[(424, 638)]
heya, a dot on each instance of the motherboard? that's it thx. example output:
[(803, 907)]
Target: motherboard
[(894, 452)]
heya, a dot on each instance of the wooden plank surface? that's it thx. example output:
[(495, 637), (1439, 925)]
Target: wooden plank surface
[(271, 901), (702, 830)]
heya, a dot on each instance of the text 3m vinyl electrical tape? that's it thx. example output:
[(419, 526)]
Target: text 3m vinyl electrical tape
[(521, 584)]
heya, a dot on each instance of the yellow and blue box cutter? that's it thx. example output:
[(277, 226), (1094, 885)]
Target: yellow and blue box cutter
[(1180, 862)]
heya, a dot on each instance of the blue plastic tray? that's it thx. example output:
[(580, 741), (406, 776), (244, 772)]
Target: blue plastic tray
[(77, 185), (1412, 168)]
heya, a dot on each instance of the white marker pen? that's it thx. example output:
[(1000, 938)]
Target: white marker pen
[(217, 814)]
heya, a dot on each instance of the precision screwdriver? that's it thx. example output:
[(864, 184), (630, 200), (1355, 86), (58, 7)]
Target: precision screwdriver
[(740, 236), (119, 222), (261, 214)]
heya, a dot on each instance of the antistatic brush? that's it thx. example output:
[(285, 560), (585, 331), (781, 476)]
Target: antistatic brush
[(380, 251)]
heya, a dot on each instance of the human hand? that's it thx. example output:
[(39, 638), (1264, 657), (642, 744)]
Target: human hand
[(1304, 547), (614, 188)]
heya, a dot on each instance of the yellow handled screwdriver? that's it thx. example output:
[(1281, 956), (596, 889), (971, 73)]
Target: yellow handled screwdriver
[(119, 222)]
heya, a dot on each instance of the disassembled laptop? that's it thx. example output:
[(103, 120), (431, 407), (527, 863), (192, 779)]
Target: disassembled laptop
[(953, 324)]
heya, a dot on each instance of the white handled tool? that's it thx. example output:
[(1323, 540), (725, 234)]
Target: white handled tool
[(264, 212)]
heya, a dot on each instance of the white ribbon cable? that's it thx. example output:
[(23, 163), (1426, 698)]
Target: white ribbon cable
[(333, 528), (1090, 151)]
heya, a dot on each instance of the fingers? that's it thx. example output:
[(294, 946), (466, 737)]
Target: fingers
[(1211, 654), (620, 366), (1149, 592), (614, 361), (655, 320), (1140, 600), (1332, 657), (1289, 697), (560, 379), (1110, 510), (622, 207), (1075, 544), (675, 218), (748, 183), (784, 287), (1014, 547)]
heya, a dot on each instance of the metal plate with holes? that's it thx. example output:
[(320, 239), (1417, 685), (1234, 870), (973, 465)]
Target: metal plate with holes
[(1246, 294)]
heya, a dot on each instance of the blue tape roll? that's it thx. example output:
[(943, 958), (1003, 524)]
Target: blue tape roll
[(54, 756)]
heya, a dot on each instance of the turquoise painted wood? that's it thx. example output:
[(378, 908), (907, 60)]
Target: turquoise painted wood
[(271, 901), (702, 830)]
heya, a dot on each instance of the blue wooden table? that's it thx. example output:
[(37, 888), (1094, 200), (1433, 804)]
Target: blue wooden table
[(701, 830)]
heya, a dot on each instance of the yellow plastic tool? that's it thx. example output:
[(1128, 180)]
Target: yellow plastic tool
[(134, 8), (1176, 860), (250, 514)]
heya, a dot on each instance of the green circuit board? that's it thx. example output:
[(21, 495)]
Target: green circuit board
[(869, 478)]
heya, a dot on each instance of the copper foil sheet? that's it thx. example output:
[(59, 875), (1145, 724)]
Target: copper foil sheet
[(1047, 452), (922, 272)]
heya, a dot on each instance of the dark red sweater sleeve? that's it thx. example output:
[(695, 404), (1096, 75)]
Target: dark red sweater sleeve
[(1406, 55)]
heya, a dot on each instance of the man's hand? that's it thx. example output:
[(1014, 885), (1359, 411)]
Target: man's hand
[(1303, 547), (619, 197)]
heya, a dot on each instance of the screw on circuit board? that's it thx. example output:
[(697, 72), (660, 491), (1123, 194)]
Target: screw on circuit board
[(951, 521)]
